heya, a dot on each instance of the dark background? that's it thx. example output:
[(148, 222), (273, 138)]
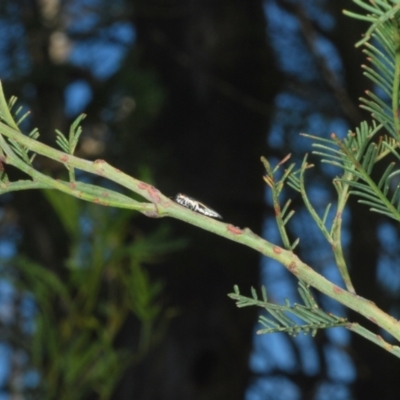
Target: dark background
[(188, 95)]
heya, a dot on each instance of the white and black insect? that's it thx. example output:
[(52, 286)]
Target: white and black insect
[(195, 205)]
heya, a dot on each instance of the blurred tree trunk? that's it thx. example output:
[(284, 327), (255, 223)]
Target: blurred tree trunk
[(220, 81)]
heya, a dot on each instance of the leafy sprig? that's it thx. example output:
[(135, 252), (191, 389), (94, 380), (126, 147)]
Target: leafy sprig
[(6, 115), (282, 214), (313, 317), (359, 152), (69, 145), (379, 13)]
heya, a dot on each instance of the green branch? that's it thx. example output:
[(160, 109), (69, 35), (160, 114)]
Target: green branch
[(161, 206), (356, 155)]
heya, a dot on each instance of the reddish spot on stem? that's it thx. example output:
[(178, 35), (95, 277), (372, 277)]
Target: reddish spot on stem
[(105, 194), (154, 194), (293, 267), (96, 200), (337, 289), (64, 158), (151, 190), (277, 250), (234, 230), (372, 320), (72, 185)]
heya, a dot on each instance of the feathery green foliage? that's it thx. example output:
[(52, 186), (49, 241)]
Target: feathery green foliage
[(359, 152), (313, 317), (80, 313)]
